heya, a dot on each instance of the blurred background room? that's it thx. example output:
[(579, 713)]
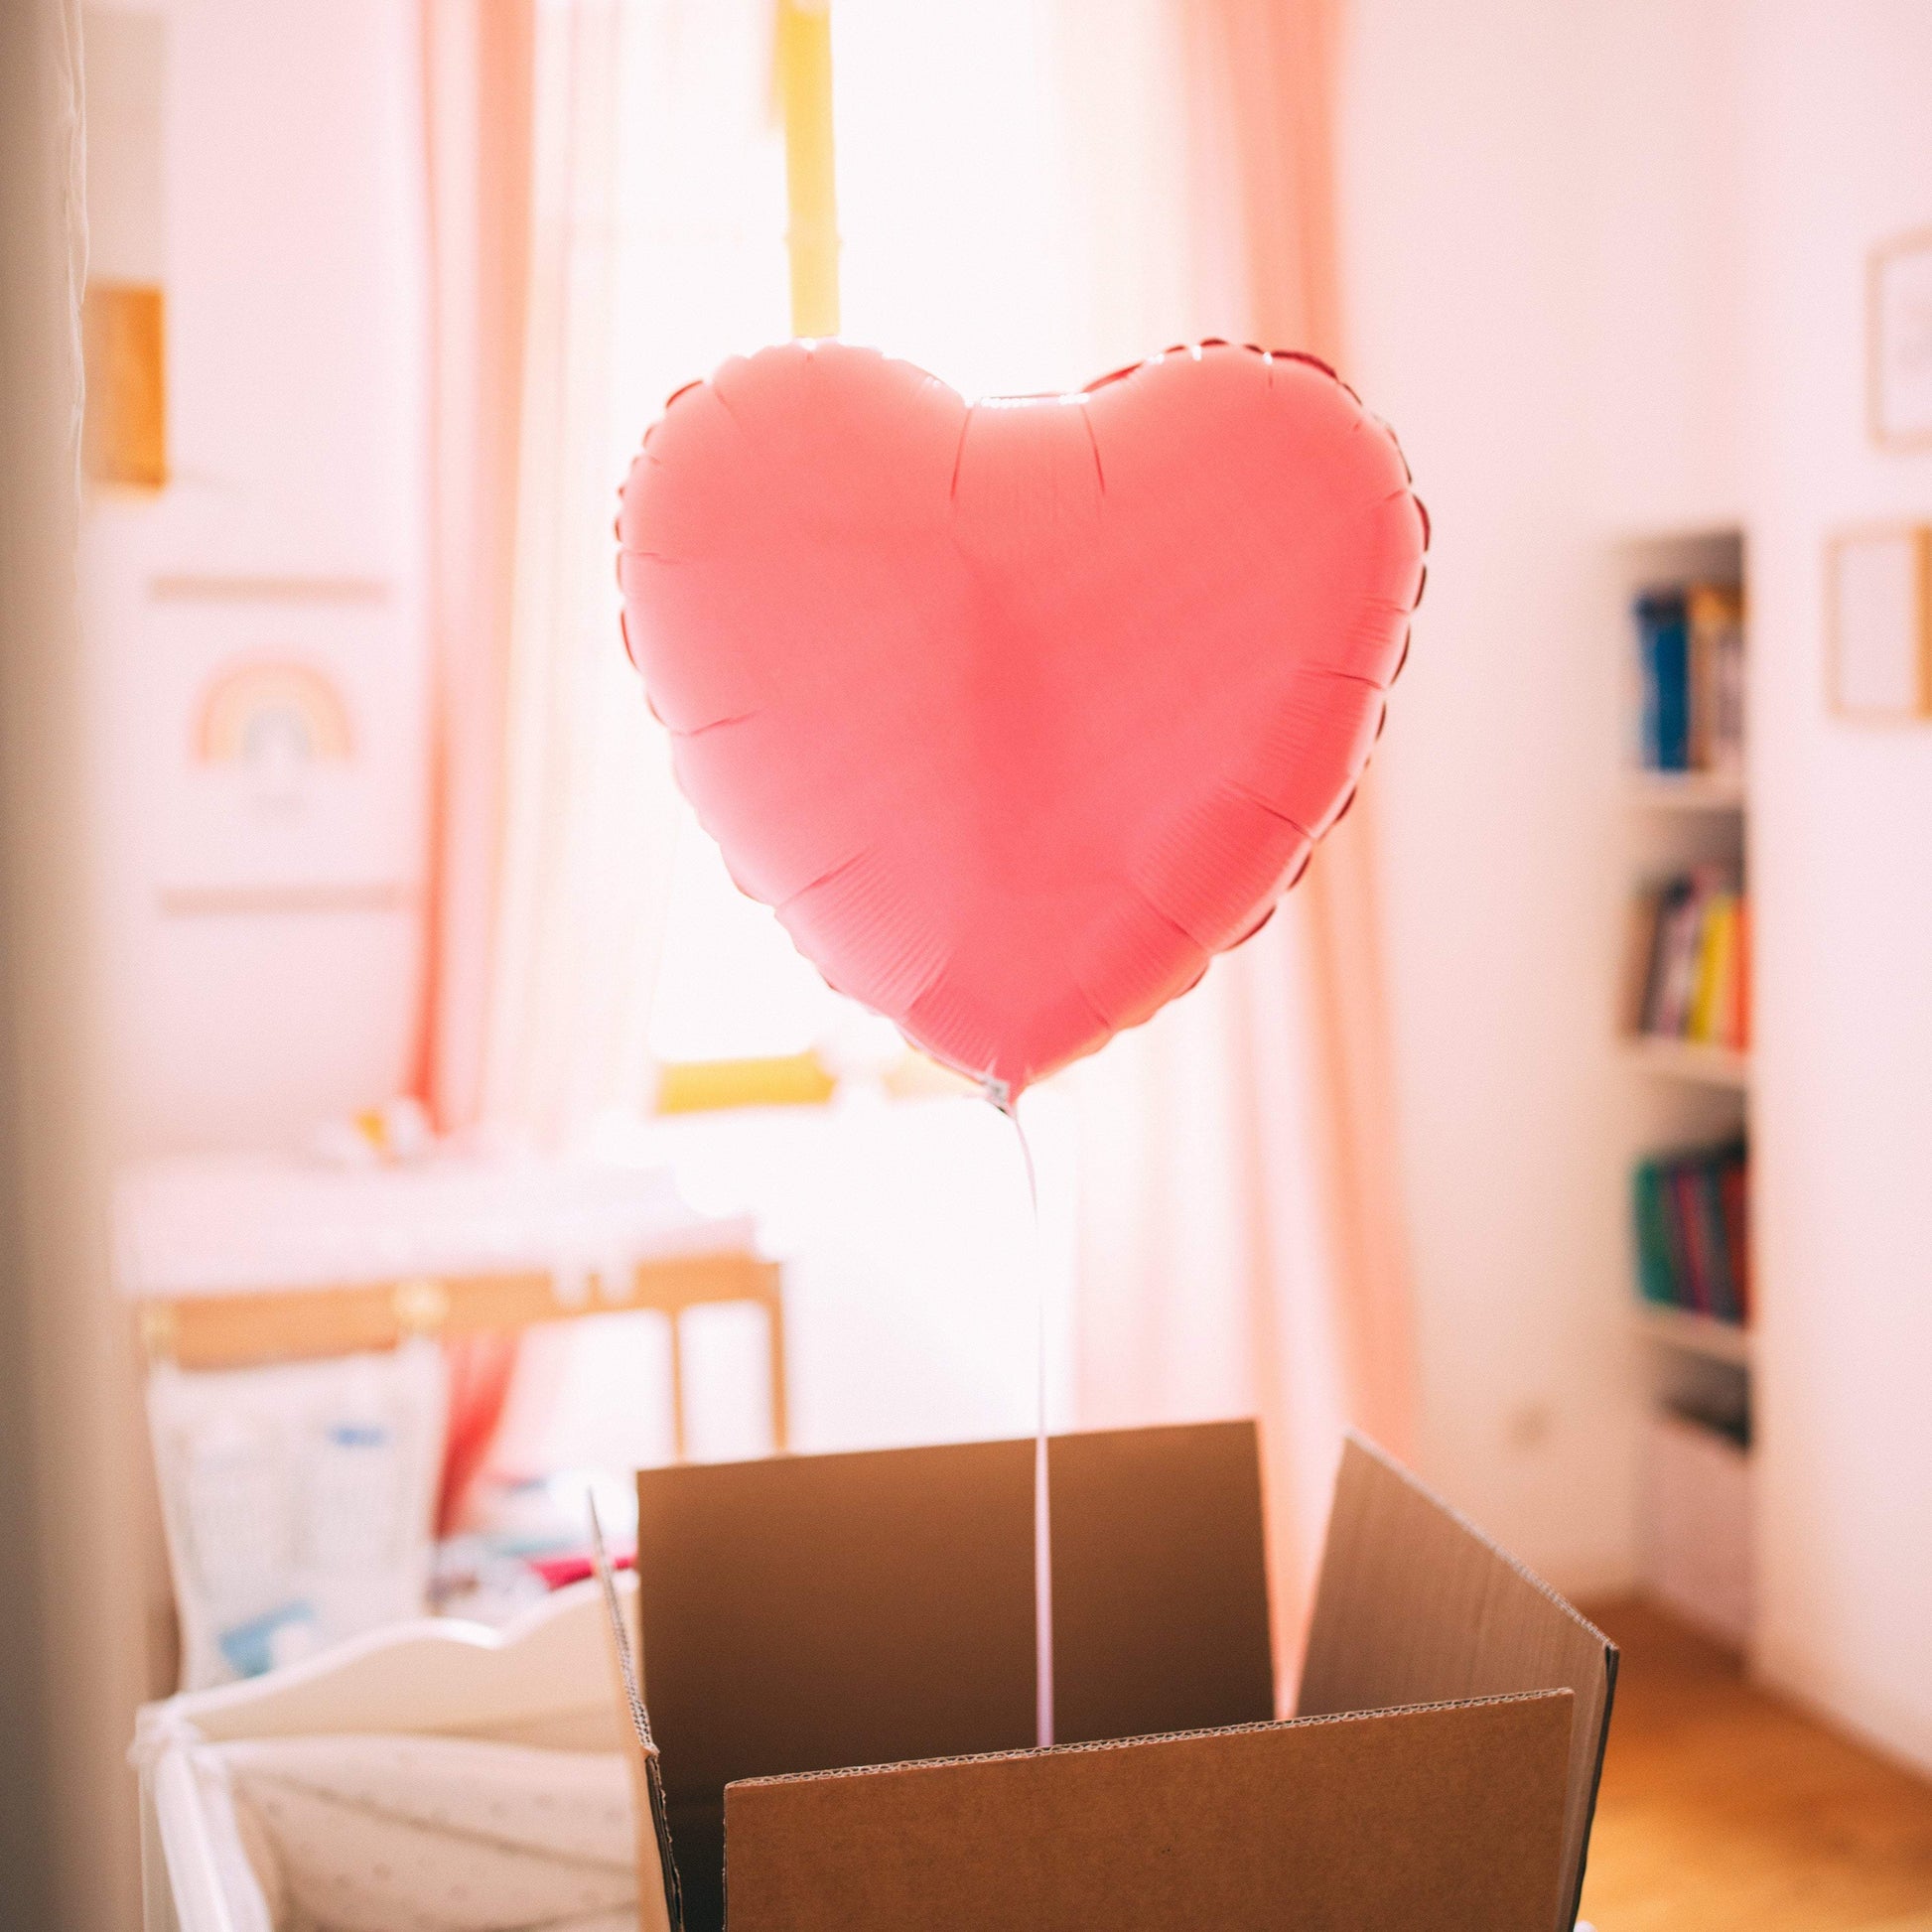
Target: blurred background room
[(409, 1125)]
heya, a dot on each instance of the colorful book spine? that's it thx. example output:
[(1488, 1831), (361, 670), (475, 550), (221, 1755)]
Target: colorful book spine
[(1712, 1003), (1656, 1273), (1733, 1204), (1691, 1215), (1740, 1016), (1715, 616), (1663, 656), (1690, 952), (1691, 674)]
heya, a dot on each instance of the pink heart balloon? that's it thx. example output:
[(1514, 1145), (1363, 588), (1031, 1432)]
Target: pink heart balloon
[(1019, 712)]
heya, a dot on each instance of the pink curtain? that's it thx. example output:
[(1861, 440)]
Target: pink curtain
[(1279, 63), (480, 1370), (1243, 1242), (1274, 64), (479, 72), (552, 820), (479, 65)]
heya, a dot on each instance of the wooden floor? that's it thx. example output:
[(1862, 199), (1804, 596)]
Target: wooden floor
[(1723, 1810)]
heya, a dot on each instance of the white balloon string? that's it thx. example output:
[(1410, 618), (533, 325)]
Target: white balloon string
[(1042, 1510)]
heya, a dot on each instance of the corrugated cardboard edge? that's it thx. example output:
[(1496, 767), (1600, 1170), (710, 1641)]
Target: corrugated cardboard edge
[(1362, 1444), (1126, 1743), (660, 1908), (1302, 1838)]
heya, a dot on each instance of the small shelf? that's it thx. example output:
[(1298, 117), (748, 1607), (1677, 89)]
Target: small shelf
[(1686, 791), (1690, 1059), (1696, 1334)]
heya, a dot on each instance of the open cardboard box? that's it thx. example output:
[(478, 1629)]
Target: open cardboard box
[(839, 1660)]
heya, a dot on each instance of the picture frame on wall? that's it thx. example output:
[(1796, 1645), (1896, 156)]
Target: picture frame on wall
[(1878, 603), (280, 773), (1900, 341)]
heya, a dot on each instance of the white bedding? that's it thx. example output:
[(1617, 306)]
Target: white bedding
[(423, 1833)]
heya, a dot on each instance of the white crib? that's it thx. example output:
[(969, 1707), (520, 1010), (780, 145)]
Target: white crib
[(543, 1681)]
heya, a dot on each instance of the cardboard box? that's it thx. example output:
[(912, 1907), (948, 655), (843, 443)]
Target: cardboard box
[(810, 1614)]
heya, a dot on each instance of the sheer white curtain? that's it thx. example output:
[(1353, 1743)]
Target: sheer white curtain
[(587, 824), (702, 274), (657, 214), (1207, 1280)]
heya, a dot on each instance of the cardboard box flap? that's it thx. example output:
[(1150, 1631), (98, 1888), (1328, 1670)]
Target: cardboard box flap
[(1416, 1605), (808, 1613), (1159, 1581), (1448, 1817)]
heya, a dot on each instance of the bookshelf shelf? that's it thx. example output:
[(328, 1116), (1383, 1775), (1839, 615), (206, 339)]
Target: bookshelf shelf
[(1689, 1060), (1686, 791), (1696, 1334)]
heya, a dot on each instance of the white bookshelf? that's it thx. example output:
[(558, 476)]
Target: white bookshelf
[(1685, 1094)]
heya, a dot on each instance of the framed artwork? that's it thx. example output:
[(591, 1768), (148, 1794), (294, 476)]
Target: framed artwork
[(123, 318), (1900, 343), (283, 752), (1878, 601)]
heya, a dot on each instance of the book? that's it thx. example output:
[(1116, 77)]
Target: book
[(1690, 642), (1739, 1016), (1709, 1018), (1720, 1283), (1640, 955), (1688, 1229), (1731, 1194), (1690, 1215), (1656, 1274), (1714, 623), (1663, 649), (1690, 960)]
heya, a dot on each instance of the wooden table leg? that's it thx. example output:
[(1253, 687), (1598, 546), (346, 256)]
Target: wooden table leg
[(774, 1317), (675, 1317)]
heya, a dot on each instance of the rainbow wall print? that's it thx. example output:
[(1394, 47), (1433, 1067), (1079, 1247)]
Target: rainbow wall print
[(265, 709)]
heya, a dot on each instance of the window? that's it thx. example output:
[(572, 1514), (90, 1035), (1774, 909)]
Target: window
[(959, 252)]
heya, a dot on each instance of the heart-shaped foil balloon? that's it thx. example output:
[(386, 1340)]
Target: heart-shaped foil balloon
[(1017, 712)]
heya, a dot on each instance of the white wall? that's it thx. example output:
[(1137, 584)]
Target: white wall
[(292, 262), (1840, 153), (1607, 272), (1536, 211)]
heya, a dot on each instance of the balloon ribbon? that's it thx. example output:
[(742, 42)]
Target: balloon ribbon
[(1042, 1497)]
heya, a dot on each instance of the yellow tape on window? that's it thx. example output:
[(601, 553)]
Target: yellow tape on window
[(804, 58)]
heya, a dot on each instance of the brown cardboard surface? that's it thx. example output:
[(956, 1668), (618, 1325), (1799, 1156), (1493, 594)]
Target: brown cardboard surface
[(811, 1611), (1416, 1605), (805, 1614), (1447, 1819), (1159, 1581)]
